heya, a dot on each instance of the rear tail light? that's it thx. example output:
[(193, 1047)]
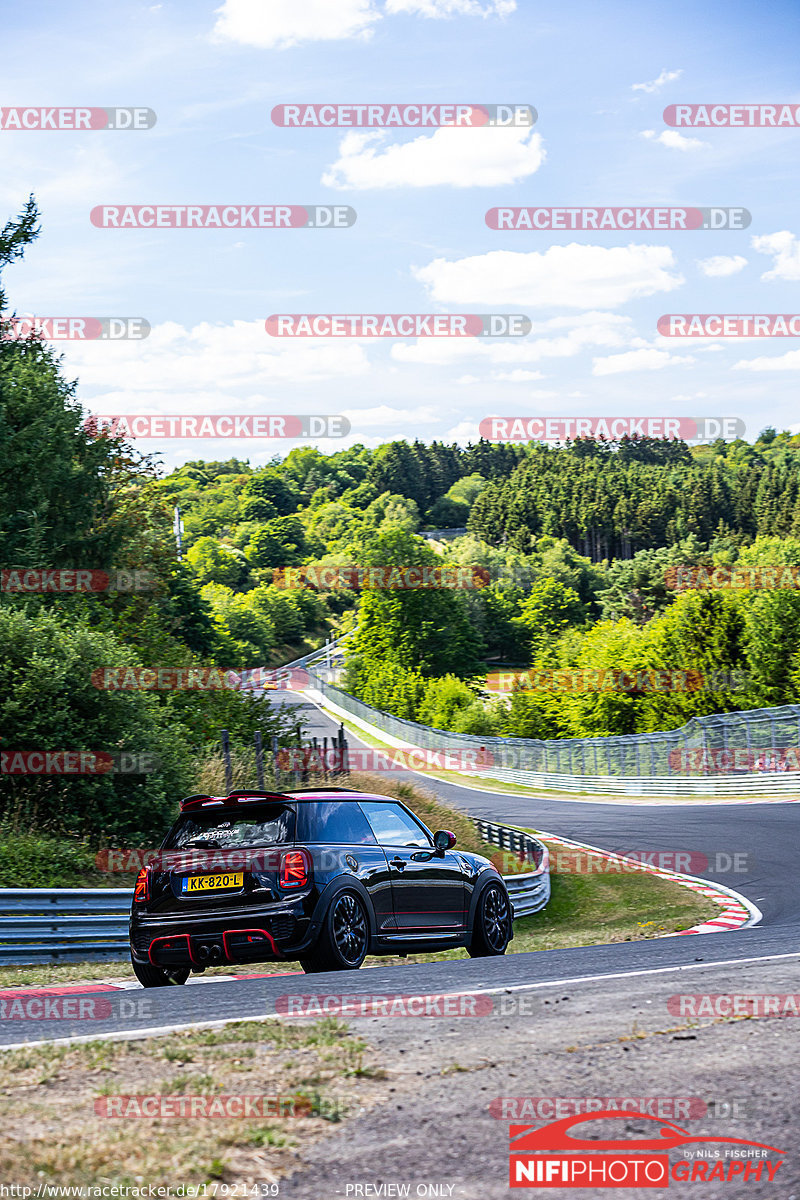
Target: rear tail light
[(295, 868), (141, 892)]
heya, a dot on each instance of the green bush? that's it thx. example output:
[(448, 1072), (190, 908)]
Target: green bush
[(29, 860), (48, 701)]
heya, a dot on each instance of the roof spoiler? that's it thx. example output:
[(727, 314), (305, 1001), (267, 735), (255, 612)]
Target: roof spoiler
[(230, 801)]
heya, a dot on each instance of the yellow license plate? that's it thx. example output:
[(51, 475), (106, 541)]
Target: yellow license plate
[(212, 883)]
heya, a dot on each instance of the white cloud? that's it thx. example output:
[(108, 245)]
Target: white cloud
[(637, 360), (452, 8), (656, 84), (383, 417), (785, 250), (455, 157), (675, 141), (172, 368), (277, 24), (568, 336), (463, 432), (722, 264), (786, 362), (572, 276), (518, 376)]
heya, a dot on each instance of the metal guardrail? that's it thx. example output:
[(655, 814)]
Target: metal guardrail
[(49, 925), (529, 891), (438, 535), (632, 764), (254, 677), (46, 925)]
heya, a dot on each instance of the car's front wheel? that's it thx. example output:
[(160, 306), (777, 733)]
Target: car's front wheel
[(344, 940), (150, 976), (491, 931)]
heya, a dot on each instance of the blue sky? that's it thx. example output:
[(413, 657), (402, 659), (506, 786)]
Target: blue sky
[(599, 77)]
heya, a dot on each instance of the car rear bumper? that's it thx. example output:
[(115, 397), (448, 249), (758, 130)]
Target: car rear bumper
[(265, 934)]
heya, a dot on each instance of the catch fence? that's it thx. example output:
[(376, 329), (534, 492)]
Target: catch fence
[(755, 752)]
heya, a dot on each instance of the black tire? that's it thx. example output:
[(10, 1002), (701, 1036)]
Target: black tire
[(150, 976), (344, 940), (491, 931)]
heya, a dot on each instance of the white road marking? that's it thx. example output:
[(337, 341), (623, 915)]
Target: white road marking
[(160, 1031)]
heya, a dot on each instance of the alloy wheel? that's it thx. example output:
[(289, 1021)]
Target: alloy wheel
[(349, 928)]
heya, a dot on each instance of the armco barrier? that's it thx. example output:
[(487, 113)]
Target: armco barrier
[(634, 764), (529, 891), (47, 925)]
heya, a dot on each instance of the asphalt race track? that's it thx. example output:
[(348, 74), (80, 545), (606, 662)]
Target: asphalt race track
[(765, 832), (595, 1021)]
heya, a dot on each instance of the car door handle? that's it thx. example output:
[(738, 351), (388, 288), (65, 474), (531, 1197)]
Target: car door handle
[(400, 863)]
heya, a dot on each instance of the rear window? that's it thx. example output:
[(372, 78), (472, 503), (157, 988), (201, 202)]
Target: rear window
[(223, 829), (333, 821)]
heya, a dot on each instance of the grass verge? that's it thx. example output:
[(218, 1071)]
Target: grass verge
[(53, 1133)]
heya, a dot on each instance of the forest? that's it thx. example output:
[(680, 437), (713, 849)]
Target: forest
[(568, 562)]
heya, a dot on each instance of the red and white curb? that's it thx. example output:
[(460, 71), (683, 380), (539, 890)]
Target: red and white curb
[(737, 910), (118, 985)]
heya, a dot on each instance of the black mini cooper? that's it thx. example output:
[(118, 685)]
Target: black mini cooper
[(323, 877)]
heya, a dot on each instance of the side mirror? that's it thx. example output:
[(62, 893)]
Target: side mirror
[(443, 840)]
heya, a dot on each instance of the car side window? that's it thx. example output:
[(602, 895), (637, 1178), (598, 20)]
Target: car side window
[(333, 821), (393, 826)]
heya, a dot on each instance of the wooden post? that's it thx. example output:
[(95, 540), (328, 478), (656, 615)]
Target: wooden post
[(276, 767), (259, 760), (226, 758)]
